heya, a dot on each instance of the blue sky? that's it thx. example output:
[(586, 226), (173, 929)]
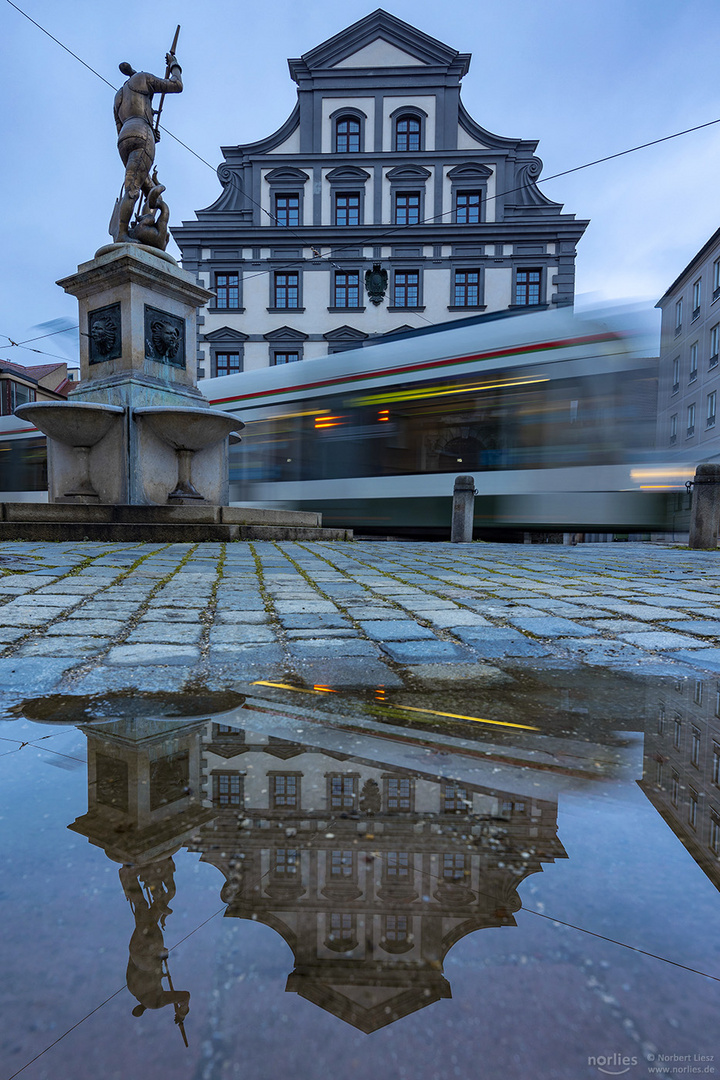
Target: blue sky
[(585, 79)]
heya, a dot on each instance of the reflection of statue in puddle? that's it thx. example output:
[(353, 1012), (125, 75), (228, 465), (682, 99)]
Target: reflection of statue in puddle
[(149, 890)]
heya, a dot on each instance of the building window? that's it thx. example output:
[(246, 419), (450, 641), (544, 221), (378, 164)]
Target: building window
[(715, 832), (285, 791), (407, 207), (690, 421), (674, 788), (408, 133), (716, 765), (225, 731), (347, 289), (467, 207), (454, 867), (397, 866), (227, 789), (466, 289), (287, 209), (695, 748), (659, 773), (677, 733), (347, 135), (714, 343), (227, 363), (527, 287), (341, 933), (287, 289), (676, 375), (406, 289), (398, 793), (692, 808), (693, 361), (698, 693), (286, 862), (673, 427), (284, 358), (347, 207), (711, 409), (696, 297), (227, 289), (396, 928), (678, 316), (661, 721), (716, 279), (455, 798), (343, 792), (342, 865)]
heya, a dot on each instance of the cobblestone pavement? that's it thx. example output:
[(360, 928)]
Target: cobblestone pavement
[(91, 617)]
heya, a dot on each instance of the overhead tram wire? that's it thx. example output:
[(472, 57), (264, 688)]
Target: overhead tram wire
[(389, 232)]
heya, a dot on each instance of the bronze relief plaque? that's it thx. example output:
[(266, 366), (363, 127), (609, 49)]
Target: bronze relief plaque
[(164, 337), (104, 337)]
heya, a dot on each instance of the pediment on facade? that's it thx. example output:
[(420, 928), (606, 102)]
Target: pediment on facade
[(470, 170), (379, 41), (408, 172), (345, 333), (379, 53), (285, 333), (369, 1007), (348, 172), (226, 334), (286, 172)]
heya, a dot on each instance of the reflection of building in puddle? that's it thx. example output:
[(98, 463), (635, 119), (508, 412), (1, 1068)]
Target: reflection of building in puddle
[(681, 767), (143, 804), (370, 872)]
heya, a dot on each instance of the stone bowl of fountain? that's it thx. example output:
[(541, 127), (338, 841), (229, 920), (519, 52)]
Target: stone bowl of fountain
[(187, 430), (79, 424)]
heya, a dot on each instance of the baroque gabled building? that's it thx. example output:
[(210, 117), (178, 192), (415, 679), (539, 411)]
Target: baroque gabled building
[(379, 205)]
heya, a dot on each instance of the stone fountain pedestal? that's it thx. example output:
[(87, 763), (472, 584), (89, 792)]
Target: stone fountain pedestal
[(136, 452)]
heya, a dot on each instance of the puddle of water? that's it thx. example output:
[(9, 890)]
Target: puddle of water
[(511, 880)]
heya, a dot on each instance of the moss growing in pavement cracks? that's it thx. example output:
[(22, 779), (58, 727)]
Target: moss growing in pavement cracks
[(207, 615)]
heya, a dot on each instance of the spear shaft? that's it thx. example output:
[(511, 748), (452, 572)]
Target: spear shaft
[(168, 69)]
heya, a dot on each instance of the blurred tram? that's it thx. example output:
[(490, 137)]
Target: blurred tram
[(553, 414)]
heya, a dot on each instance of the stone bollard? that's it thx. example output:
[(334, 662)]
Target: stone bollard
[(463, 510), (705, 515)]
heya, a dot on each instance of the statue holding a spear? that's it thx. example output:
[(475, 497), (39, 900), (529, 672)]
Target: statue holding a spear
[(138, 127)]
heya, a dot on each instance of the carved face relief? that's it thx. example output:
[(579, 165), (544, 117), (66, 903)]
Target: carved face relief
[(104, 338), (165, 339)]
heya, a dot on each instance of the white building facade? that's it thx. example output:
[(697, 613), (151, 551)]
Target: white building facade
[(379, 169), (689, 371)]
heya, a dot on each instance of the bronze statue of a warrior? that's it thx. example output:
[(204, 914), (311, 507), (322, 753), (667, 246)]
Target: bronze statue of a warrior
[(138, 131)]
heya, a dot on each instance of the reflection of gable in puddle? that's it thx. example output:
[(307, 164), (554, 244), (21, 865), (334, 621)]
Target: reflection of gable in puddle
[(370, 871), (681, 767)]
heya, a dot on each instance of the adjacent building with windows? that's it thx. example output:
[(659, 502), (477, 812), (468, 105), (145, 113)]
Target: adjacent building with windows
[(378, 169), (689, 353)]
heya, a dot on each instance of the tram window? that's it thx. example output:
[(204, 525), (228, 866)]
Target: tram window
[(23, 465)]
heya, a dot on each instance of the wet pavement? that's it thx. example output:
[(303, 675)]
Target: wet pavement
[(419, 810)]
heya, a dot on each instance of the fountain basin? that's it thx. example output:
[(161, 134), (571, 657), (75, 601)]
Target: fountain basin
[(74, 423), (188, 429)]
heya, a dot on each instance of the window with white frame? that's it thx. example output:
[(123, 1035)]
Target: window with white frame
[(227, 363), (714, 344), (716, 764), (693, 361), (696, 298), (695, 747), (690, 421), (715, 832), (673, 427), (692, 808), (676, 375), (716, 279), (711, 409), (678, 316)]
